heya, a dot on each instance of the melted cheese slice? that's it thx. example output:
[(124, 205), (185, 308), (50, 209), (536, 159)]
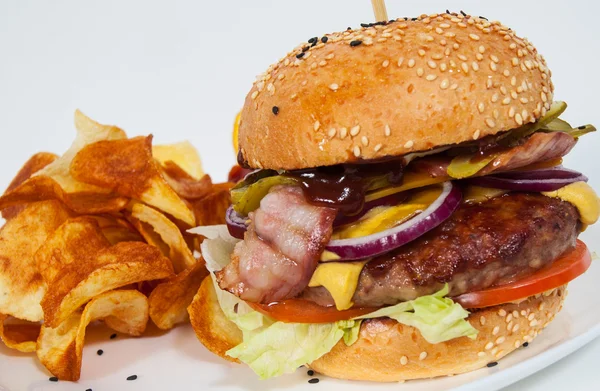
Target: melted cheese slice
[(340, 279), (583, 197)]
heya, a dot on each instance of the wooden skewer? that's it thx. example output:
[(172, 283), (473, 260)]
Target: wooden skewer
[(379, 10)]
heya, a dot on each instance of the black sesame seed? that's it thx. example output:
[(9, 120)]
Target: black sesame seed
[(100, 352), (89, 389), (275, 110), (413, 19), (355, 43), (310, 372), (483, 17), (463, 13), (53, 378), (312, 40), (313, 44), (300, 55), (447, 11), (405, 18), (324, 39), (313, 381), (132, 377), (349, 28), (305, 48), (492, 364), (113, 336), (365, 25), (526, 344), (581, 127)]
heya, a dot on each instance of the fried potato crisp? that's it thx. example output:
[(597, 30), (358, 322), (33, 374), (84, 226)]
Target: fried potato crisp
[(169, 300), (55, 182), (60, 349), (128, 168), (183, 154), (185, 185), (21, 285), (19, 336), (210, 210), (113, 267), (170, 241), (31, 166), (75, 240), (116, 228), (217, 333)]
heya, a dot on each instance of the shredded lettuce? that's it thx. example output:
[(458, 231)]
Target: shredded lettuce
[(273, 348)]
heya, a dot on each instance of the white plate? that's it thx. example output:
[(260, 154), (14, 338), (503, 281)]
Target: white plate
[(176, 360)]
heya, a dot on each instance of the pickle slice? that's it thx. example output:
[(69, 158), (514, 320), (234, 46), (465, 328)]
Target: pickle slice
[(463, 166), (247, 198)]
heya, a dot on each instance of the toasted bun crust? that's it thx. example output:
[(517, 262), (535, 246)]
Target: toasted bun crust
[(388, 351), (408, 86)]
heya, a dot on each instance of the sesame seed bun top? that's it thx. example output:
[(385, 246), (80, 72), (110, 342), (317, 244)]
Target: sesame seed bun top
[(390, 89)]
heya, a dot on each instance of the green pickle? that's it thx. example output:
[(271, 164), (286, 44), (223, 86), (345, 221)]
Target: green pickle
[(246, 197)]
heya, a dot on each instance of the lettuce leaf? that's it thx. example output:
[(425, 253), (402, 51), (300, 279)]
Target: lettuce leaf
[(438, 318), (273, 348)]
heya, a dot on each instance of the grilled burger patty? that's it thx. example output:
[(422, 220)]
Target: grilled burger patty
[(481, 245)]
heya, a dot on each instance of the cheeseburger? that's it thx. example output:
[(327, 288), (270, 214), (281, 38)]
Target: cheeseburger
[(407, 216)]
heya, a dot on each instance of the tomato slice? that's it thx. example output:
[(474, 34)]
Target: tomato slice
[(305, 311), (564, 269)]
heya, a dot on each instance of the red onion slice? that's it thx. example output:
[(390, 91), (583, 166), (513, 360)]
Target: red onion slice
[(534, 180), (388, 240), (236, 224)]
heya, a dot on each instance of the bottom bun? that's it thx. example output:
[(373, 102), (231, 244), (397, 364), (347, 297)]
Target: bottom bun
[(388, 351)]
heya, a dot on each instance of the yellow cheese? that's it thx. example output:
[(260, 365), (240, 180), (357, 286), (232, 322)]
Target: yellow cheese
[(583, 197), (411, 180), (340, 279)]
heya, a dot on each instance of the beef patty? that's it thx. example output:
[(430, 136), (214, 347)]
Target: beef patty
[(482, 245)]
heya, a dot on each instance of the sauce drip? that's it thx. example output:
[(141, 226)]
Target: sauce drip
[(344, 186)]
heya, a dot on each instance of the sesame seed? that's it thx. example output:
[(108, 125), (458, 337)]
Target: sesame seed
[(475, 137), (331, 133), (300, 55), (443, 67), (464, 67), (431, 77), (480, 354), (385, 63), (403, 360), (495, 330), (528, 64), (334, 87), (356, 43), (492, 364), (462, 57), (506, 101), (419, 72), (422, 356), (343, 133), (544, 97), (495, 350), (281, 76), (317, 125), (513, 94), (506, 73), (444, 25), (439, 30), (53, 379), (254, 95), (365, 141), (481, 49), (411, 63), (525, 114), (356, 151), (513, 81), (481, 107), (310, 372), (444, 84), (454, 86), (113, 336), (132, 377), (329, 56), (518, 119), (515, 328), (324, 39), (377, 147), (495, 98), (515, 314), (500, 340), (431, 64), (494, 58), (488, 346), (100, 352), (275, 110), (474, 37), (475, 66), (400, 61), (409, 144), (387, 130), (355, 130), (509, 318), (421, 52), (437, 56), (517, 344), (323, 63), (490, 122), (493, 66), (313, 381), (531, 316), (525, 344)]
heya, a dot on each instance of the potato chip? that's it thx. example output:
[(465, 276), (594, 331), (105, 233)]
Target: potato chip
[(75, 240), (21, 285), (175, 247), (217, 333), (169, 300), (19, 336), (184, 185), (210, 210), (116, 266), (55, 182), (31, 166), (128, 168), (116, 228), (182, 154), (60, 349)]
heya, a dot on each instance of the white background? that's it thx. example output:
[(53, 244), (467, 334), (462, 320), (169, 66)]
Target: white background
[(180, 70)]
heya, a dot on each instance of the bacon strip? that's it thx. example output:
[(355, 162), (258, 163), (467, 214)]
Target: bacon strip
[(538, 147), (281, 248)]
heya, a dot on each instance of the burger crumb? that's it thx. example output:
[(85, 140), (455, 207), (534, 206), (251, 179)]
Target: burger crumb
[(310, 372), (132, 377), (492, 364), (526, 344), (313, 381), (100, 352)]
